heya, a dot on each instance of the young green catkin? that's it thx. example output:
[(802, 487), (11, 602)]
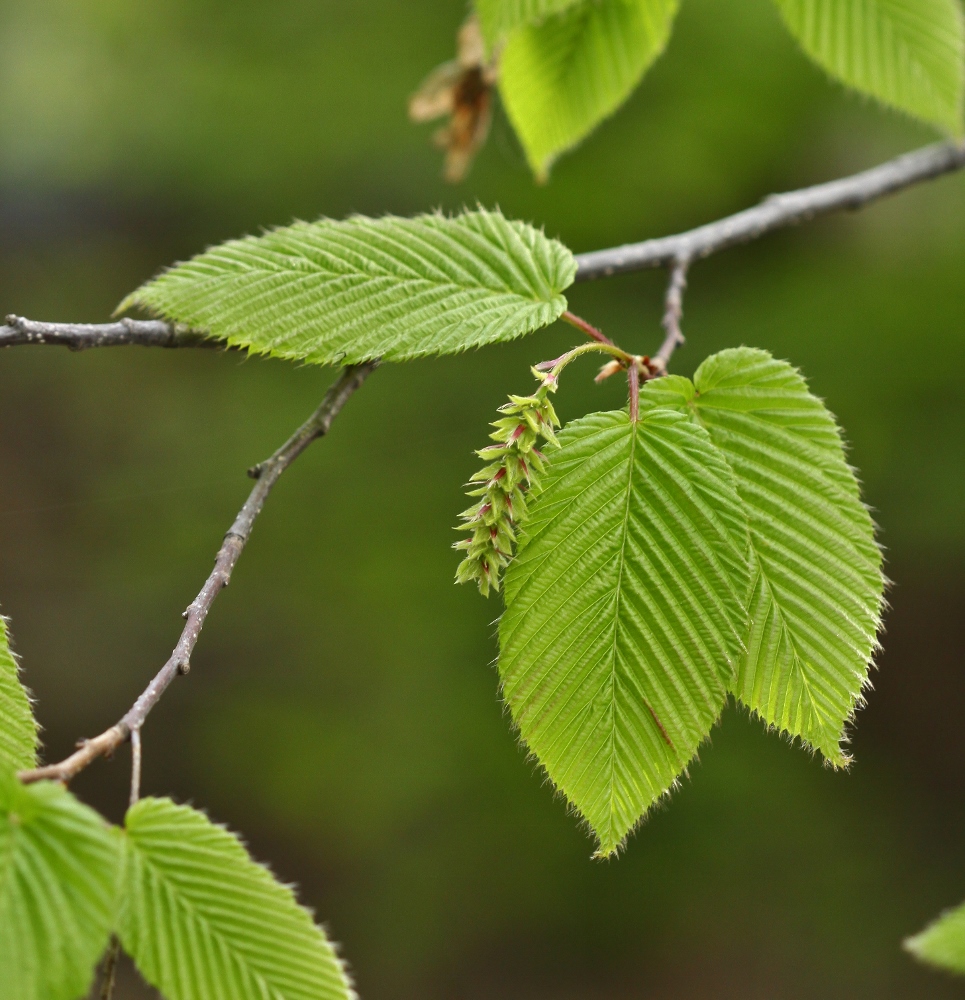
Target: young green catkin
[(513, 466)]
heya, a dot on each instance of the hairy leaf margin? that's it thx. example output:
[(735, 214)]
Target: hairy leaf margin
[(18, 726), (201, 919), (624, 612), (59, 879), (562, 77), (340, 292), (909, 54)]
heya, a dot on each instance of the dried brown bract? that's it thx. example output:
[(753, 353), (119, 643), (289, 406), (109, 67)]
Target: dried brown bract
[(461, 89)]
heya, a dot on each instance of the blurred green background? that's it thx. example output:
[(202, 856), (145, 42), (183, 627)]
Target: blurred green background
[(343, 711)]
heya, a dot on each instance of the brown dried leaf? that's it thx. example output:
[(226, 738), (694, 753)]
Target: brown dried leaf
[(462, 89)]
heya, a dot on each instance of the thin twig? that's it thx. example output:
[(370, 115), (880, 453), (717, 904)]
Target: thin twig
[(633, 380), (556, 367), (587, 328), (135, 766), (109, 968), (81, 336), (672, 315), (267, 473), (776, 212)]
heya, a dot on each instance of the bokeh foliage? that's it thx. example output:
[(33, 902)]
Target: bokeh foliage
[(343, 710)]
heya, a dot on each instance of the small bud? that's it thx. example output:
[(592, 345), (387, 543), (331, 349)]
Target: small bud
[(610, 368)]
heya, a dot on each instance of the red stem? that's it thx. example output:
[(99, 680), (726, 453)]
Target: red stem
[(633, 378), (588, 329)]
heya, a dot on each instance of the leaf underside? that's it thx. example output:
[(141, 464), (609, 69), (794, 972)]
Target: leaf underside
[(817, 588), (623, 612), (202, 920), (560, 78), (943, 942), (907, 53), (335, 292), (58, 889), (18, 727), (498, 17)]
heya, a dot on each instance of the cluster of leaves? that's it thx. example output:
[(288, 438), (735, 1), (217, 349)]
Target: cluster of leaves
[(715, 546), (566, 65), (514, 465), (718, 545), (712, 544), (199, 917)]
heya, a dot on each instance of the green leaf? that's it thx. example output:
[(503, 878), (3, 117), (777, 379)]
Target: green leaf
[(561, 78), (943, 942), (18, 727), (624, 611), (908, 53), (499, 17), (816, 598), (202, 920), (59, 869), (342, 292)]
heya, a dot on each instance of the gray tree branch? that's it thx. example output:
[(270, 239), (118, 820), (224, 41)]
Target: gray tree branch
[(776, 212), (81, 336), (674, 252), (267, 473)]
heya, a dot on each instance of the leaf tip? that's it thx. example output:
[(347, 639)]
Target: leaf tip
[(130, 301), (914, 945)]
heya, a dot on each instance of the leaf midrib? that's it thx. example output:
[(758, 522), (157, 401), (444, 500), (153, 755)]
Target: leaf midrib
[(920, 69), (798, 660), (362, 277), (922, 76), (694, 406), (185, 904), (635, 427)]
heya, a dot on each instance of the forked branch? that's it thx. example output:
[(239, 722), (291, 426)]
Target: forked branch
[(776, 212), (676, 253), (267, 473)]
